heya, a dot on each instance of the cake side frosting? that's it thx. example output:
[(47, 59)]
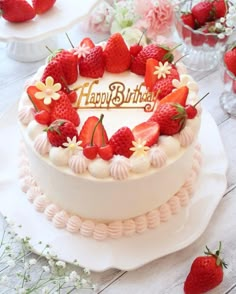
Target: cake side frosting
[(115, 228)]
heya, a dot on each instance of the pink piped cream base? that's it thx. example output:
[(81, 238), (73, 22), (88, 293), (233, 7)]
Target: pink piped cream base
[(62, 219)]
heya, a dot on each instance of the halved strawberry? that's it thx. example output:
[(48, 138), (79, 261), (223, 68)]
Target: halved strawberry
[(87, 132), (37, 103), (179, 95), (148, 131), (150, 78)]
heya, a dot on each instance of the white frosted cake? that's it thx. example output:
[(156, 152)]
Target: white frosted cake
[(109, 150)]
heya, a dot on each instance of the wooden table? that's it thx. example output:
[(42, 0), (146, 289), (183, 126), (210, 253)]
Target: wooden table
[(165, 275)]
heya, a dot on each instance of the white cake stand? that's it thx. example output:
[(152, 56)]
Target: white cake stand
[(126, 253), (26, 41)]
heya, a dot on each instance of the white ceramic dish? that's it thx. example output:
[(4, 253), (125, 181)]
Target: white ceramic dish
[(125, 253)]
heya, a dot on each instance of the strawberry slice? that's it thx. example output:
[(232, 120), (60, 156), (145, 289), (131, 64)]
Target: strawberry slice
[(148, 131), (37, 103), (180, 96), (150, 78), (87, 133), (87, 42)]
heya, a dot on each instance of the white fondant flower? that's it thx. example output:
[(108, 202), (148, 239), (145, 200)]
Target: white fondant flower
[(72, 144), (81, 51), (162, 70), (139, 148), (48, 91), (185, 80)]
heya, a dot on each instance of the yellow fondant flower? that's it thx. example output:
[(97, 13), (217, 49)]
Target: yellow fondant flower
[(162, 70), (48, 91), (139, 148)]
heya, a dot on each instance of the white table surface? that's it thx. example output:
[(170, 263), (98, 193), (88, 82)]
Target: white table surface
[(167, 274)]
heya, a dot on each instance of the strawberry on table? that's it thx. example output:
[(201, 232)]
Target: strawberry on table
[(41, 6), (148, 131), (206, 273), (59, 130), (16, 10), (171, 118), (117, 55), (62, 109), (121, 142), (93, 64)]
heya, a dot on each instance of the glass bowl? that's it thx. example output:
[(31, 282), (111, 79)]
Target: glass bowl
[(228, 96), (202, 50)]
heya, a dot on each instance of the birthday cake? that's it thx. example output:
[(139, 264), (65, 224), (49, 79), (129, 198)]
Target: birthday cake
[(109, 138)]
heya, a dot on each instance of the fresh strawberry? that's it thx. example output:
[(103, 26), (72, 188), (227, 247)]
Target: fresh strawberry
[(69, 65), (72, 96), (203, 12), (59, 131), (171, 118), (93, 64), (148, 131), (88, 132), (179, 95), (37, 103), (219, 8), (230, 59), (87, 42), (191, 111), (62, 109), (16, 10), (150, 78), (158, 52), (206, 273), (54, 69), (164, 86), (121, 142), (43, 117), (41, 6), (117, 55)]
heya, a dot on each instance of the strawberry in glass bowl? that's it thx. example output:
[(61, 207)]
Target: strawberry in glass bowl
[(204, 27), (228, 70)]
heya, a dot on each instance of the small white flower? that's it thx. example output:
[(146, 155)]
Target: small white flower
[(48, 91), (46, 268), (87, 271), (139, 148), (162, 70), (61, 264), (72, 144), (32, 261), (218, 25), (222, 19), (74, 276), (82, 51)]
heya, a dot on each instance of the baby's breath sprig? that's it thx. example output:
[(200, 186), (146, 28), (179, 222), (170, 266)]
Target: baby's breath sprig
[(23, 272)]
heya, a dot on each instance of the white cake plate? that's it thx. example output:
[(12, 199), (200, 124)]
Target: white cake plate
[(26, 41), (125, 253)]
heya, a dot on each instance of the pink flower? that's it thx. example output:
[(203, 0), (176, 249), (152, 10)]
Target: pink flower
[(100, 19), (157, 20)]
